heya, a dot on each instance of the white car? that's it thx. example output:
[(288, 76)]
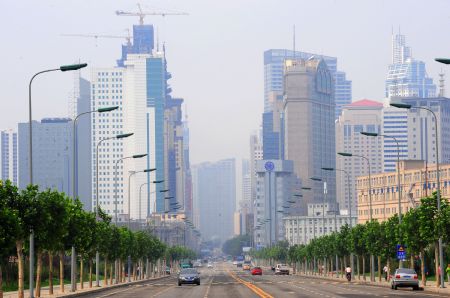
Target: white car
[(234, 262), (281, 269), (209, 265)]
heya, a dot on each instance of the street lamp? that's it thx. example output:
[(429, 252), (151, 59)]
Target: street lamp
[(443, 60), (140, 194), (347, 154), (61, 68), (116, 179), (438, 193), (323, 202), (75, 173), (374, 134)]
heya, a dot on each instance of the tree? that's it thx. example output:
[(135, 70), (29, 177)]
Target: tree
[(9, 227), (357, 246), (234, 245), (371, 238)]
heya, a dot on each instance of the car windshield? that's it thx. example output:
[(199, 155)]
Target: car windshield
[(257, 268), (406, 271), (188, 271)]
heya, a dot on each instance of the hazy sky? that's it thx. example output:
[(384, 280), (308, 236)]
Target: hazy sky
[(215, 54)]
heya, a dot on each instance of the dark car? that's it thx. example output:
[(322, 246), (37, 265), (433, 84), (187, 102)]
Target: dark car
[(188, 276), (404, 277)]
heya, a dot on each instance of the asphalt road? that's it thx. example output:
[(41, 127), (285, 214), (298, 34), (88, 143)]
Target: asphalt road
[(227, 281)]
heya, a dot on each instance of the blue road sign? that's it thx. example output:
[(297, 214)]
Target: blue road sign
[(401, 252)]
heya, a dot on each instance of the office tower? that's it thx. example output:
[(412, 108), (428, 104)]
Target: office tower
[(144, 100), (421, 129), (342, 92), (175, 153), (395, 124), (245, 205), (107, 91), (8, 156), (188, 198), (256, 153), (363, 115), (273, 128), (143, 43), (215, 192), (309, 126), (52, 154), (407, 76), (83, 182), (275, 181), (274, 68)]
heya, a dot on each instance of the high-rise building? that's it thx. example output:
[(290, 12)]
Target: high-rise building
[(274, 71), (215, 196), (52, 154), (363, 115), (407, 76), (256, 153), (245, 205), (309, 126), (188, 200), (83, 183), (274, 185), (395, 124), (273, 128), (143, 43), (8, 156), (107, 91), (421, 129)]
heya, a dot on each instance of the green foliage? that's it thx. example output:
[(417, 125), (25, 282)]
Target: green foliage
[(234, 245)]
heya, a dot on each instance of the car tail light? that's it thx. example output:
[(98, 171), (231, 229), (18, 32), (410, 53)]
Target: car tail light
[(415, 276), (397, 276)]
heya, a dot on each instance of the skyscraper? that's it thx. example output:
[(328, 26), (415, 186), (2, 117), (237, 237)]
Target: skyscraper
[(106, 91), (215, 193), (407, 76), (274, 68), (52, 154), (143, 43), (8, 156), (309, 126), (362, 115)]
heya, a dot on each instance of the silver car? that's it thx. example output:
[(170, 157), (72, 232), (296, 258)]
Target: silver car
[(404, 277)]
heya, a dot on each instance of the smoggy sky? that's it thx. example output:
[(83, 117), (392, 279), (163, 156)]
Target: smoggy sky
[(215, 54)]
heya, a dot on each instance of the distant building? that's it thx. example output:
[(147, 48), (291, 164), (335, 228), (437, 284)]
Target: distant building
[(302, 229), (417, 180), (309, 136), (143, 43), (256, 153), (215, 196), (9, 156), (363, 115), (52, 154), (274, 70), (395, 124), (407, 77), (274, 184)]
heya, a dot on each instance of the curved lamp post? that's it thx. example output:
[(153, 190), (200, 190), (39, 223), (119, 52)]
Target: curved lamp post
[(438, 193), (62, 68)]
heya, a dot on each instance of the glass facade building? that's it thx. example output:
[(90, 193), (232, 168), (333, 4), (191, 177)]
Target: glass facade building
[(8, 156), (143, 43)]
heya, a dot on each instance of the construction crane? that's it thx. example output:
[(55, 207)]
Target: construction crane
[(97, 36), (141, 14)]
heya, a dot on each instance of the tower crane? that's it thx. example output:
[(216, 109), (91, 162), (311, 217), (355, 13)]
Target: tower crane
[(141, 14), (128, 37)]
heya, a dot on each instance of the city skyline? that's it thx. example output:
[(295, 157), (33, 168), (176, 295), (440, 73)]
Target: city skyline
[(352, 55)]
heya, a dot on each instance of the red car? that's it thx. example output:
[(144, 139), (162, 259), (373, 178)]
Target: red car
[(256, 271)]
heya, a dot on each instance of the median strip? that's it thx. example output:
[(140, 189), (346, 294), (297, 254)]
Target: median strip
[(251, 286)]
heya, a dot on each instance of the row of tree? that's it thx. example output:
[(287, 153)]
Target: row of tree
[(419, 231), (59, 223)]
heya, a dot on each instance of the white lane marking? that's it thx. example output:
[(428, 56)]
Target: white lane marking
[(160, 292), (209, 286)]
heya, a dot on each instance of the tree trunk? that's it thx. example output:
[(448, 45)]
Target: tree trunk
[(90, 272), (105, 273), (38, 273), (422, 266), (411, 262), (364, 267), (389, 268), (19, 248), (111, 274), (436, 262), (81, 273), (50, 273), (61, 271), (358, 266), (379, 268), (1, 281)]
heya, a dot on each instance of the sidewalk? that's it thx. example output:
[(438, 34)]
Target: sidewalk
[(79, 291), (430, 287)]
